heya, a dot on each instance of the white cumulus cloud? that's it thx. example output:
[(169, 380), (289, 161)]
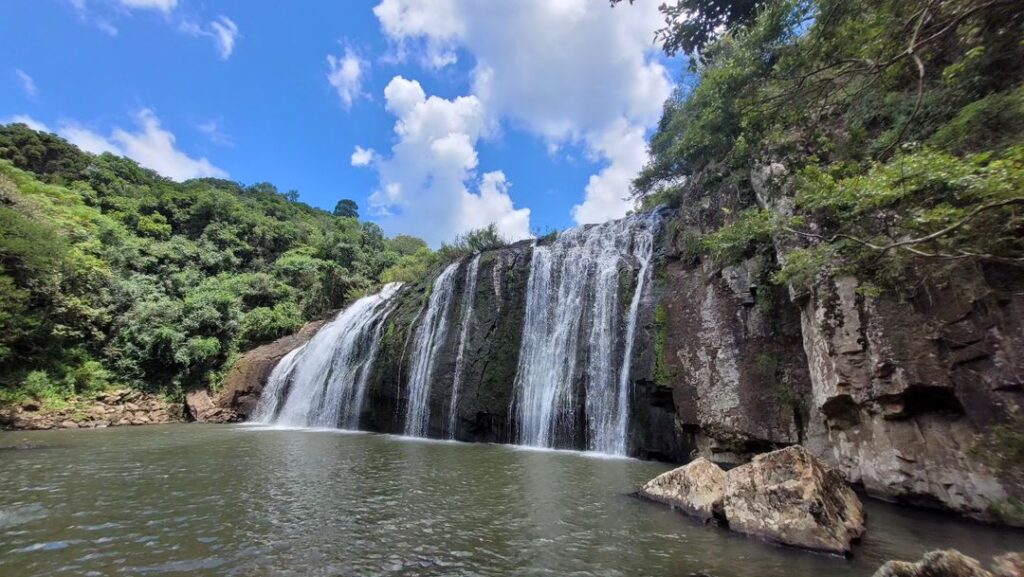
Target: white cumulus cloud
[(569, 71), (362, 156), (428, 185), (345, 73), (149, 144)]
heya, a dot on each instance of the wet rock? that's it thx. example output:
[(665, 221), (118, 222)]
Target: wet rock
[(1009, 565), (735, 369), (245, 381), (786, 496), (68, 425), (948, 563), (201, 408), (789, 496), (697, 489)]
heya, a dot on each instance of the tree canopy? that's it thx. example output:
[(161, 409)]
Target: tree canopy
[(346, 208), (887, 136), (112, 274)]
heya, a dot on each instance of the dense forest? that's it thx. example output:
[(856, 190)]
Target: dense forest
[(898, 126), (111, 275)]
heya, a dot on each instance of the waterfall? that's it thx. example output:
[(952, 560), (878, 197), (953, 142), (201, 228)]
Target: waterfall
[(465, 319), (323, 383), (573, 312), (430, 338)]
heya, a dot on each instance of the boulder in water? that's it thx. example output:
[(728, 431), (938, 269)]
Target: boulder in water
[(791, 497), (1009, 565), (787, 496), (697, 489), (948, 563)]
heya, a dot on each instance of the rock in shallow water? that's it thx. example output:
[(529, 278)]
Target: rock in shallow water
[(952, 563), (791, 497), (696, 488), (787, 496)]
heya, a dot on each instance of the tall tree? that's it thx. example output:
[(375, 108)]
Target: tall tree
[(690, 25), (347, 208)]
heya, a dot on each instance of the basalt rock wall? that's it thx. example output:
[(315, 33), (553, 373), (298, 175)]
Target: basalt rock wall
[(892, 392)]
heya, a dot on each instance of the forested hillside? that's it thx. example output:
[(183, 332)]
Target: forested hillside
[(111, 275), (889, 136)]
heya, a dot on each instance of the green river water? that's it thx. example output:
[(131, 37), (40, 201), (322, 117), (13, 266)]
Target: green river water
[(234, 500)]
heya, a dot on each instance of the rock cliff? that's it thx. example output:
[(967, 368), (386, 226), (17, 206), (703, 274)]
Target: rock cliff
[(893, 392)]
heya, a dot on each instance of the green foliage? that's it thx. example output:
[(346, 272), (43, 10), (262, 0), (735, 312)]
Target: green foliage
[(734, 242), (691, 24), (471, 242), (264, 324), (901, 123), (411, 267), (112, 275), (985, 124)]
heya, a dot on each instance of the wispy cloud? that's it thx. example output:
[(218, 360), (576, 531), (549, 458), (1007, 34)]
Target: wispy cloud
[(213, 131), (27, 83), (223, 31), (149, 144), (161, 5)]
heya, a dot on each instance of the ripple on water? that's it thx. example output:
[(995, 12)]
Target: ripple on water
[(239, 501)]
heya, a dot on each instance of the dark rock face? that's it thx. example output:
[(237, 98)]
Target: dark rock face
[(491, 354), (892, 394), (735, 367)]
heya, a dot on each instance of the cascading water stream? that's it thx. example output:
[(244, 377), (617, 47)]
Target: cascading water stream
[(430, 337), (465, 320), (323, 383), (573, 312)]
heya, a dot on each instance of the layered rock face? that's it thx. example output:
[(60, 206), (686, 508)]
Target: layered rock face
[(106, 409), (901, 390)]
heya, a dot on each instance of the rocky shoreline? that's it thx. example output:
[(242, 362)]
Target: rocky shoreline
[(123, 407)]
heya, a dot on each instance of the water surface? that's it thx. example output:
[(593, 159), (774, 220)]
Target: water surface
[(234, 500)]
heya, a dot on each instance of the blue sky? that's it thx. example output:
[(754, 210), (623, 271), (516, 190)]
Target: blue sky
[(533, 118)]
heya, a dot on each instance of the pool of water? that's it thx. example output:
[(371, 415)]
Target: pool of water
[(236, 500)]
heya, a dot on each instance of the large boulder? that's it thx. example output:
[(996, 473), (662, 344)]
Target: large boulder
[(791, 497), (201, 408), (948, 563), (697, 489), (1009, 565), (243, 384)]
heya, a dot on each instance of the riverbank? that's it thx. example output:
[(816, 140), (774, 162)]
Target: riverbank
[(121, 407)]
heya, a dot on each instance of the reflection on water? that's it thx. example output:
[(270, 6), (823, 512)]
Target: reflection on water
[(223, 500)]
